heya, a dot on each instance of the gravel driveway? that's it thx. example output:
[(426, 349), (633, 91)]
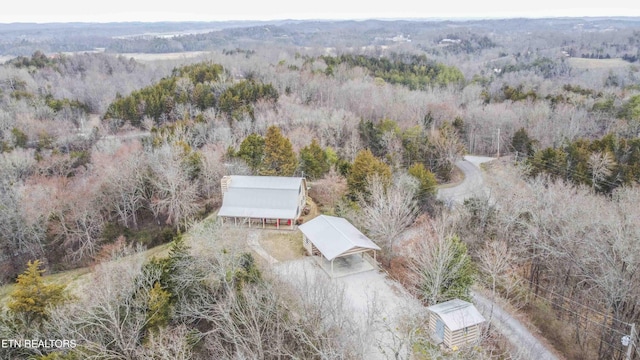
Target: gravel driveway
[(472, 185), (379, 304)]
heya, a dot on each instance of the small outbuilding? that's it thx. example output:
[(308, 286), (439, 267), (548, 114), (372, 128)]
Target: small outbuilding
[(336, 239), (455, 323), (264, 201)]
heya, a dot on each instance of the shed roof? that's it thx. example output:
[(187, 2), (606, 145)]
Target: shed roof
[(270, 197), (334, 236), (457, 314)]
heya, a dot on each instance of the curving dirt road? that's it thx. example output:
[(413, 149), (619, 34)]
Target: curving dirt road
[(472, 185), (526, 346)]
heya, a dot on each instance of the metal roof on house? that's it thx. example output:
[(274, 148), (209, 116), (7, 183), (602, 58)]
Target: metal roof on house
[(266, 182), (457, 314), (334, 236), (270, 197)]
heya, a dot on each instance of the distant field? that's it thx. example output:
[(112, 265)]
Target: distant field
[(164, 56), (137, 56), (581, 63)]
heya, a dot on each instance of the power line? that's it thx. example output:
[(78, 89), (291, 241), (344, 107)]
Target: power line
[(589, 334), (597, 338), (583, 316), (571, 300)]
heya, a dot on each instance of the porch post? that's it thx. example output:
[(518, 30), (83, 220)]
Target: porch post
[(332, 267)]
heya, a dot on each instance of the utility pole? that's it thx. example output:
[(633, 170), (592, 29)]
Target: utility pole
[(498, 142), (632, 341)]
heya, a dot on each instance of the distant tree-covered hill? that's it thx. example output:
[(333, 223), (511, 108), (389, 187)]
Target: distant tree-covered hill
[(191, 87)]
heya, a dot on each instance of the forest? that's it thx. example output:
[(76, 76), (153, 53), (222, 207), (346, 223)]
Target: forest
[(106, 154)]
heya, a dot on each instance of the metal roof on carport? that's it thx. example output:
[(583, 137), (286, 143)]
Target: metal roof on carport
[(335, 236)]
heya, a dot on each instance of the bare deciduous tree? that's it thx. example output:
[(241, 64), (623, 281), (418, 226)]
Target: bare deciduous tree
[(495, 260), (123, 189), (601, 165), (110, 317), (328, 190), (174, 195), (387, 212), (171, 343), (440, 265)]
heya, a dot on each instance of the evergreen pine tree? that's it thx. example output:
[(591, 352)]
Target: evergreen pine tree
[(365, 165), (427, 181), (314, 161), (32, 297), (279, 158), (252, 151)]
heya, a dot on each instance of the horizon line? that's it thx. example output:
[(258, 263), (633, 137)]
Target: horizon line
[(430, 18)]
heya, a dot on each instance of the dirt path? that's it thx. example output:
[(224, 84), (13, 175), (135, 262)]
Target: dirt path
[(526, 345), (253, 239)]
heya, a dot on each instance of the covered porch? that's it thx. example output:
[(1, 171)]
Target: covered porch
[(262, 223)]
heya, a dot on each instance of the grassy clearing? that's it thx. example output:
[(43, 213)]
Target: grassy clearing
[(74, 278), (283, 246), (581, 63), (4, 293), (69, 278)]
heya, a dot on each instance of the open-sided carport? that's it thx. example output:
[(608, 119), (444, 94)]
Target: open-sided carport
[(335, 240)]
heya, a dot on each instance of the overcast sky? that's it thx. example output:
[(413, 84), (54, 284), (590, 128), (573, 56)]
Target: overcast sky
[(212, 10)]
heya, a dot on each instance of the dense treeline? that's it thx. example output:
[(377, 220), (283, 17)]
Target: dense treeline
[(466, 43), (37, 60), (413, 71), (562, 253), (196, 86), (604, 164)]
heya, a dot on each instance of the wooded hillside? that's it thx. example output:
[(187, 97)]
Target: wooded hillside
[(102, 153)]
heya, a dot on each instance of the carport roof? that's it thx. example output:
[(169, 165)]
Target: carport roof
[(335, 236)]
